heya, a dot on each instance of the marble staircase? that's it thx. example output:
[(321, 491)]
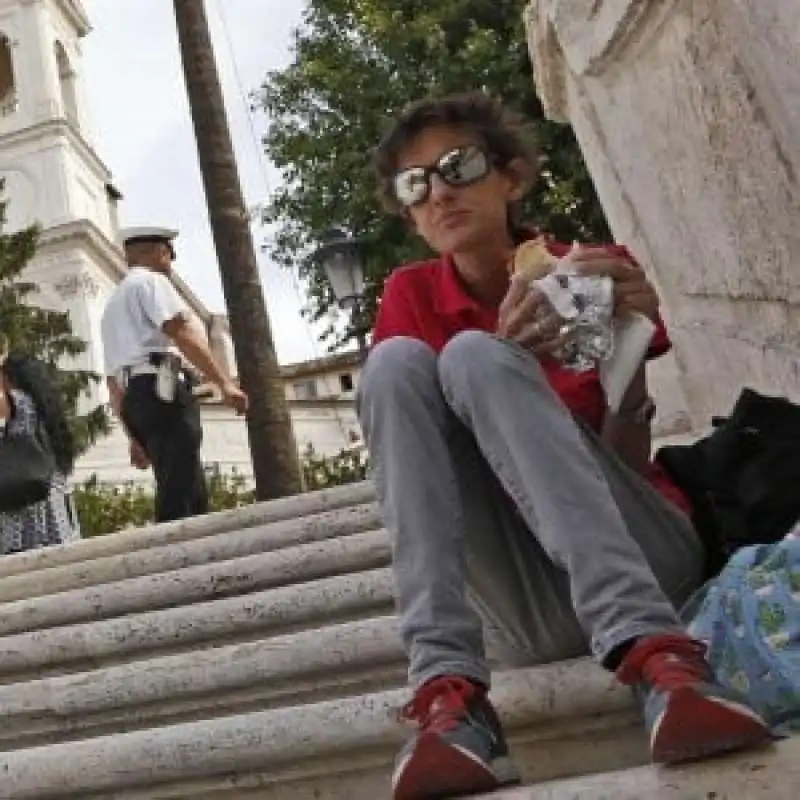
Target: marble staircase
[(253, 654)]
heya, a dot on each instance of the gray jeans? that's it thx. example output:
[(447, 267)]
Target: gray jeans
[(504, 512)]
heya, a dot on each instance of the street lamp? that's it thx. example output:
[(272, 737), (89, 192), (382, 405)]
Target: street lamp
[(339, 255)]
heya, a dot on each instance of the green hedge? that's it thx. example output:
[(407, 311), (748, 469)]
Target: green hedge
[(103, 508)]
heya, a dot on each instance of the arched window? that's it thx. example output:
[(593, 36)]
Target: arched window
[(66, 76), (8, 87)]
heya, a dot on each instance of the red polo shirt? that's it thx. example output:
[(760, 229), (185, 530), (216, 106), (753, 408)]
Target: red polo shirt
[(428, 301)]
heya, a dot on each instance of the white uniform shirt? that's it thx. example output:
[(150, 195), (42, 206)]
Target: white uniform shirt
[(133, 316)]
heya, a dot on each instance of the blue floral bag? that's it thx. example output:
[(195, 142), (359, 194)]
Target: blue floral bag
[(749, 616)]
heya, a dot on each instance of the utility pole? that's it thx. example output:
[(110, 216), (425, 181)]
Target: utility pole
[(272, 445)]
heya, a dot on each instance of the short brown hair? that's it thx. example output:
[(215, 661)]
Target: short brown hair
[(505, 135)]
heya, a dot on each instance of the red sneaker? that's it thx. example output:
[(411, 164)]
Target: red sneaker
[(688, 714), (459, 747)]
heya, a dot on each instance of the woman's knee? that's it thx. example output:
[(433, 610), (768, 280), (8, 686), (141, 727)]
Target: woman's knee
[(396, 365), (476, 360)]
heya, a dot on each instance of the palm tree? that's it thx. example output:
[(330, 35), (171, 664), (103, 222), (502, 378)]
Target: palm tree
[(272, 444)]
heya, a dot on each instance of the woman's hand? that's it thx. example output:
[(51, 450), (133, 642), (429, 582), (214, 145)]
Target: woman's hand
[(525, 317), (633, 292)]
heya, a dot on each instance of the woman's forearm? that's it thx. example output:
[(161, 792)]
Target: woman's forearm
[(628, 436)]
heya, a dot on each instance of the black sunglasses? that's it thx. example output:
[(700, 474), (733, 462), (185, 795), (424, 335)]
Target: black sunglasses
[(459, 167)]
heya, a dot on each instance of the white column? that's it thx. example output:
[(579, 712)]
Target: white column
[(688, 114), (40, 90)]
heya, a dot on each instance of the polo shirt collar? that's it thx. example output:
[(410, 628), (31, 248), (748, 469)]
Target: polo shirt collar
[(452, 299)]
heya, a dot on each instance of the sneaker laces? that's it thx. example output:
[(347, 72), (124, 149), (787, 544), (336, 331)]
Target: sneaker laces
[(665, 662), (440, 704)]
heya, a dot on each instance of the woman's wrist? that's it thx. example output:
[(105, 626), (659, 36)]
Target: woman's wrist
[(639, 410)]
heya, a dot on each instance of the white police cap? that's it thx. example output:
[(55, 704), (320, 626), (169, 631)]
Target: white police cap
[(147, 234)]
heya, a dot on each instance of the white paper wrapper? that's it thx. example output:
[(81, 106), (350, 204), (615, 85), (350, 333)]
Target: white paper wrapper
[(632, 337)]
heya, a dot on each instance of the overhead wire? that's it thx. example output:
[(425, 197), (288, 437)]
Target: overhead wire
[(256, 141), (257, 144)]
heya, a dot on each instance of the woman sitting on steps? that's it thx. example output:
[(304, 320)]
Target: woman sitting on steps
[(513, 496)]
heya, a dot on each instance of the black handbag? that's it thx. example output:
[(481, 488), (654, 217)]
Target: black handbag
[(743, 479), (26, 470)]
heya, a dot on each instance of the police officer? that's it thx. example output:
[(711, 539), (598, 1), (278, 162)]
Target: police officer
[(145, 326)]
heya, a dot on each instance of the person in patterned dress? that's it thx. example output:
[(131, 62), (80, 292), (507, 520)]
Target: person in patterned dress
[(28, 398)]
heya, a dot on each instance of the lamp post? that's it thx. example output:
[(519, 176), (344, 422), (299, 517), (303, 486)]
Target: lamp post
[(340, 257)]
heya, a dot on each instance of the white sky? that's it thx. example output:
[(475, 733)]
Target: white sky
[(143, 131)]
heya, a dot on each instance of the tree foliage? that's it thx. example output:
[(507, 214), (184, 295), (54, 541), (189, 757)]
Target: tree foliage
[(43, 333), (323, 472), (107, 508), (357, 62)]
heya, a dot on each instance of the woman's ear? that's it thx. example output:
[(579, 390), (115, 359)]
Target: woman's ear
[(521, 176)]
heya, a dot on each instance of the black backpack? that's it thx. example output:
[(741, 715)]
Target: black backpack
[(743, 479)]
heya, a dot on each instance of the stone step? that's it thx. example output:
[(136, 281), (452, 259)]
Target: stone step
[(332, 750), (51, 574), (302, 563), (334, 661), (229, 620), (767, 774), (288, 508)]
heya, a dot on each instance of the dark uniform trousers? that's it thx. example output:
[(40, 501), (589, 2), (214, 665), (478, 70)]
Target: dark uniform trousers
[(171, 433)]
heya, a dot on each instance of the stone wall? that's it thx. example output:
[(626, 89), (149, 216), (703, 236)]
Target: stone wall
[(329, 426), (688, 114)]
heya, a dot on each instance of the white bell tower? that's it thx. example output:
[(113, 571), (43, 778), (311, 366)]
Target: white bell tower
[(51, 173)]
